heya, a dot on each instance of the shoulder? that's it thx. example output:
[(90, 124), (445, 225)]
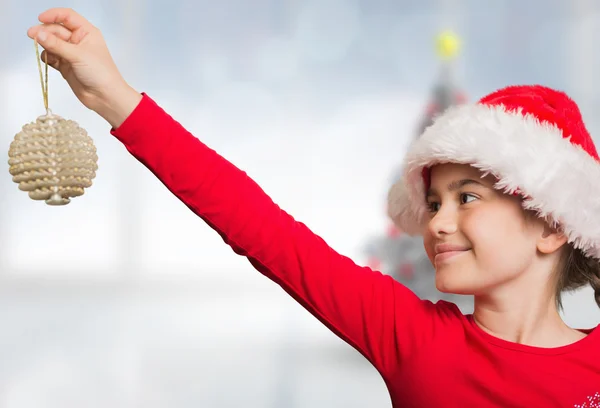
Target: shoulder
[(445, 319)]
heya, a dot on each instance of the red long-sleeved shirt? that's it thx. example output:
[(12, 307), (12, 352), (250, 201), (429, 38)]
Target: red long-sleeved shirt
[(429, 355)]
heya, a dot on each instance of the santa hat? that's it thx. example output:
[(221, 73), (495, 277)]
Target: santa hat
[(533, 139)]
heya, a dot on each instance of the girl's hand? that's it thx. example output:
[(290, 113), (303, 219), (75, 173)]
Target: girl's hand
[(75, 48)]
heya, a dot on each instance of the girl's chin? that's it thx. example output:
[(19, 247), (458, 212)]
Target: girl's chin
[(457, 284)]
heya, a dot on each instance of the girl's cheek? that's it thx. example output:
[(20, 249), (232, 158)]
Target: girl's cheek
[(485, 227), (428, 244)]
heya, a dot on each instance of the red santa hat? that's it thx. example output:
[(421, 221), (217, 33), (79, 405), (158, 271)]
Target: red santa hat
[(533, 140)]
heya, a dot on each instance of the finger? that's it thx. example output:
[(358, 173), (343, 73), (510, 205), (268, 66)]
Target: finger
[(51, 59), (65, 16), (58, 30), (56, 46)]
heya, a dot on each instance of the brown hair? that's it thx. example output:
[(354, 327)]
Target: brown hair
[(577, 270)]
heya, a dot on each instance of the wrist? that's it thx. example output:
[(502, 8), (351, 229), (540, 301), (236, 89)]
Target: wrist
[(117, 104)]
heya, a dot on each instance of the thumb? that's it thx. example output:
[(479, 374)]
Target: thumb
[(56, 46)]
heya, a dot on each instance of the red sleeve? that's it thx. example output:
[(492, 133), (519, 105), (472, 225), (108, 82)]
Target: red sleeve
[(379, 317)]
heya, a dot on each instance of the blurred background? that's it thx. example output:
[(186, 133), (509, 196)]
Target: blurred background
[(124, 298)]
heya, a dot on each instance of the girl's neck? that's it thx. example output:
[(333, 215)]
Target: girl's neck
[(532, 320)]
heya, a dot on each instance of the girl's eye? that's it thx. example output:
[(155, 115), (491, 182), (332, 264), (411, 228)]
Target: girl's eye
[(433, 206), (467, 198)]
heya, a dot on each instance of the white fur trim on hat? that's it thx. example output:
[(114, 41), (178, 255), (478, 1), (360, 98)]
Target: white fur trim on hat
[(559, 178)]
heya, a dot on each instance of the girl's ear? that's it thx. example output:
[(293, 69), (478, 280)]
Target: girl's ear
[(551, 240)]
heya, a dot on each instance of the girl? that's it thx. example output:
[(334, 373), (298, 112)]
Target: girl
[(492, 186)]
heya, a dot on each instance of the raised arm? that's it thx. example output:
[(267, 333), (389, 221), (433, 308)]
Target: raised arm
[(363, 307), (376, 315)]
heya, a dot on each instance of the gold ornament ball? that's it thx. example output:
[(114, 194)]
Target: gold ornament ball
[(448, 45), (53, 159)]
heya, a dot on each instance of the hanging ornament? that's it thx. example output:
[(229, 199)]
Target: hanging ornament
[(53, 159)]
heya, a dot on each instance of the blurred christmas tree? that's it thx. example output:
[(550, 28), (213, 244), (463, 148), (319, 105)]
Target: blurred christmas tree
[(395, 253)]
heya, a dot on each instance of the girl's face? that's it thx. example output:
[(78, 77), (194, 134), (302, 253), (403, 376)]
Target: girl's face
[(477, 237)]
